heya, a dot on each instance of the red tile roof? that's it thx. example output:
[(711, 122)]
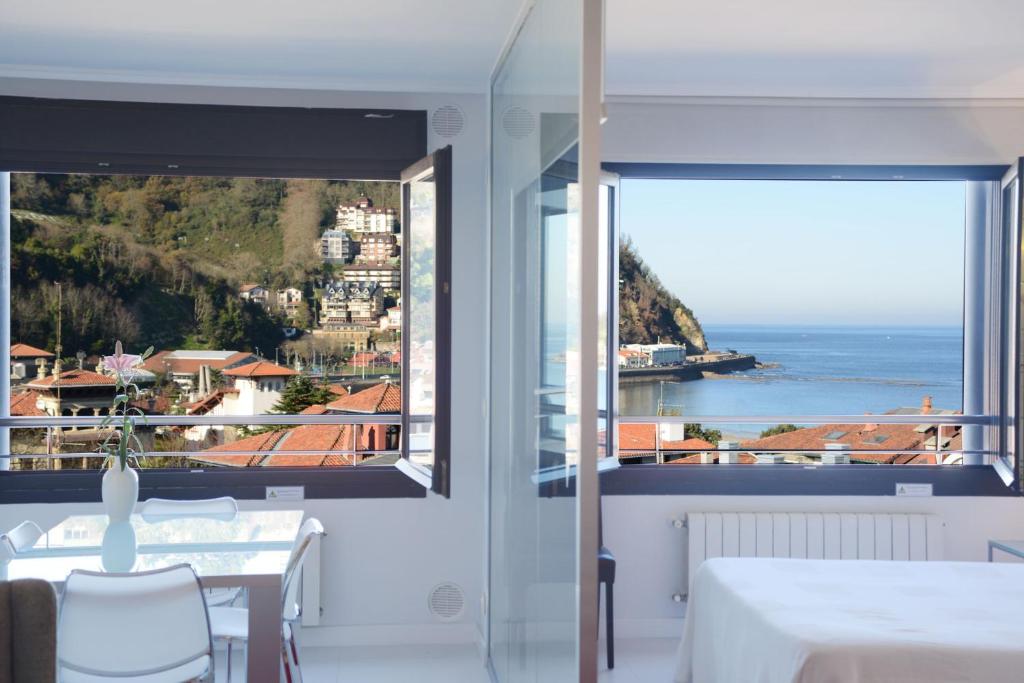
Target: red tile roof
[(314, 410), (80, 378), (208, 402), (26, 351), (864, 437), (261, 368), (639, 439), (23, 404), (380, 398), (261, 449), (165, 361)]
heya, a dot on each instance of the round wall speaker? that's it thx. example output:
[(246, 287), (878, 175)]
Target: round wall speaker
[(518, 122), (447, 121), (446, 601)]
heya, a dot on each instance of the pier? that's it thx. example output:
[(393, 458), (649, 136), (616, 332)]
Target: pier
[(719, 363)]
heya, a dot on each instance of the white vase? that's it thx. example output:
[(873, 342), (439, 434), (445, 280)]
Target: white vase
[(119, 549), (120, 492)]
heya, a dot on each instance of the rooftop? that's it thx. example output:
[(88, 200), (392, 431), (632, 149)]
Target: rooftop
[(25, 351), (260, 368), (77, 378), (383, 398)]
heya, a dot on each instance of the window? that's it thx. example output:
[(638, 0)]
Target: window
[(273, 307), (796, 321)]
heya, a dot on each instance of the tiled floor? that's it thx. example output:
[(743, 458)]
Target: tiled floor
[(636, 661)]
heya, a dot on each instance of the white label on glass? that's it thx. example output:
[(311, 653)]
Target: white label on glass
[(913, 489), (286, 492)]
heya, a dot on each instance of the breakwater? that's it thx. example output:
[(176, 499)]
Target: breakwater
[(691, 370)]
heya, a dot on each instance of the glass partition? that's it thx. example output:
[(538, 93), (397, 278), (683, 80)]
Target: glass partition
[(535, 346)]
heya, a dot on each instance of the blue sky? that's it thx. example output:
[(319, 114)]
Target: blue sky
[(787, 252)]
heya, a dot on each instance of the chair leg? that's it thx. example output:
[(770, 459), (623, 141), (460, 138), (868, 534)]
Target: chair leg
[(230, 644), (295, 652), (609, 624), (284, 661)]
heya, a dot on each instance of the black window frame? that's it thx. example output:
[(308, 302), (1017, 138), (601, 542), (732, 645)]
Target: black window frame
[(789, 480), (142, 138)]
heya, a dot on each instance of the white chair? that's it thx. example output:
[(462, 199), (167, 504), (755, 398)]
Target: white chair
[(232, 623), (225, 508), (20, 538), (147, 627), (157, 509)]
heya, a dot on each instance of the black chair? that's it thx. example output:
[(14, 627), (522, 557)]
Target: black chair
[(606, 576)]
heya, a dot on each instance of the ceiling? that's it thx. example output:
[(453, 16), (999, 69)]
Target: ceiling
[(781, 48), (816, 48)]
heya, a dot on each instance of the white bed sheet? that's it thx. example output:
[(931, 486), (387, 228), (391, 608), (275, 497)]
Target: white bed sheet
[(845, 621)]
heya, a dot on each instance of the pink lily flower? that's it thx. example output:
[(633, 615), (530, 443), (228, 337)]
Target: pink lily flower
[(121, 362)]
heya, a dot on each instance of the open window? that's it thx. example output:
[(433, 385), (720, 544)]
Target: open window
[(426, 324)]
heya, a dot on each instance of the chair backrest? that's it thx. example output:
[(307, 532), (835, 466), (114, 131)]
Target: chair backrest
[(123, 625), (290, 588), (155, 509), (21, 537)]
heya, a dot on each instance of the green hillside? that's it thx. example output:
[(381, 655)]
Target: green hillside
[(158, 260), (648, 311)]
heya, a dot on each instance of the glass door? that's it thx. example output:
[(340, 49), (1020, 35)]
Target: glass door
[(544, 338)]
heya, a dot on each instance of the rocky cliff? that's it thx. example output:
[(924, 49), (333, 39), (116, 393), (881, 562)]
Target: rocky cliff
[(648, 311)]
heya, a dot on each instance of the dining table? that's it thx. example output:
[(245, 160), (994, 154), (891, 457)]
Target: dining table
[(249, 549)]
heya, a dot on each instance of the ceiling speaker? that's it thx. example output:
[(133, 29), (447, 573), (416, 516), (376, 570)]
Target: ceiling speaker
[(446, 601), (448, 121), (517, 122)]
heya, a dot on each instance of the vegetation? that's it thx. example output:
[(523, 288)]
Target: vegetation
[(155, 260), (779, 429), (698, 432), (648, 312), (300, 393)]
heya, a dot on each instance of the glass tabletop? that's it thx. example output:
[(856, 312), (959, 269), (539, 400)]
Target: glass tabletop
[(249, 543)]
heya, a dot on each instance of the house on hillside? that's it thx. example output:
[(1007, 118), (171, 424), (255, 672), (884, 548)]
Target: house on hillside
[(337, 247), (362, 216), (253, 293), (351, 302)]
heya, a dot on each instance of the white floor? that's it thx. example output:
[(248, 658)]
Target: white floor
[(636, 661)]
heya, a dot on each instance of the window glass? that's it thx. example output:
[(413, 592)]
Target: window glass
[(258, 297), (743, 299)]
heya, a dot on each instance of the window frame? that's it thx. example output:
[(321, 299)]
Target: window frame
[(855, 479), (438, 165), (383, 142)]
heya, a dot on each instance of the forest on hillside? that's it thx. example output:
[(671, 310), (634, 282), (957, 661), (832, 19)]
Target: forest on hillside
[(159, 260), (648, 312)]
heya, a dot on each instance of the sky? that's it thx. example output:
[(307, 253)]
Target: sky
[(803, 252)]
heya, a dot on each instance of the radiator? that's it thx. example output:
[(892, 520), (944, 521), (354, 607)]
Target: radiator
[(812, 535)]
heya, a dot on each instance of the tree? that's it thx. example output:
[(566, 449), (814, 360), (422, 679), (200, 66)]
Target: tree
[(779, 429), (300, 393), (698, 432)]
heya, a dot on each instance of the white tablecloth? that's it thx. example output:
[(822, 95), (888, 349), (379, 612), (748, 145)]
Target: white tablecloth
[(850, 621)]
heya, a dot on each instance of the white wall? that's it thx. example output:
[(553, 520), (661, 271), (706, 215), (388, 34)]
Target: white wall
[(650, 551), (381, 557), (782, 131)]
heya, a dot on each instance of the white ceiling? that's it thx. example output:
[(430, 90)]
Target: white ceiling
[(816, 48), (778, 48)]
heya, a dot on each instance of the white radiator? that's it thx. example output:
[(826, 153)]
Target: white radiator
[(812, 535)]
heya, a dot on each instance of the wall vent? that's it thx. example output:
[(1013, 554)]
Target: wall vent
[(448, 121), (446, 601), (517, 122)]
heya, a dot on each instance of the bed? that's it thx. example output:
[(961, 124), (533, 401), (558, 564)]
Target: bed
[(846, 621)]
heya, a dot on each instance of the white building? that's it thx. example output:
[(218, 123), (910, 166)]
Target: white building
[(659, 354), (363, 216), (256, 388), (257, 294), (337, 247)]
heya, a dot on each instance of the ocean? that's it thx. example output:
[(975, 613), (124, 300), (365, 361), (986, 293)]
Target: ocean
[(816, 370)]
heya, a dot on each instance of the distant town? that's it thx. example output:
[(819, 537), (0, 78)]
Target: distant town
[(356, 311)]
